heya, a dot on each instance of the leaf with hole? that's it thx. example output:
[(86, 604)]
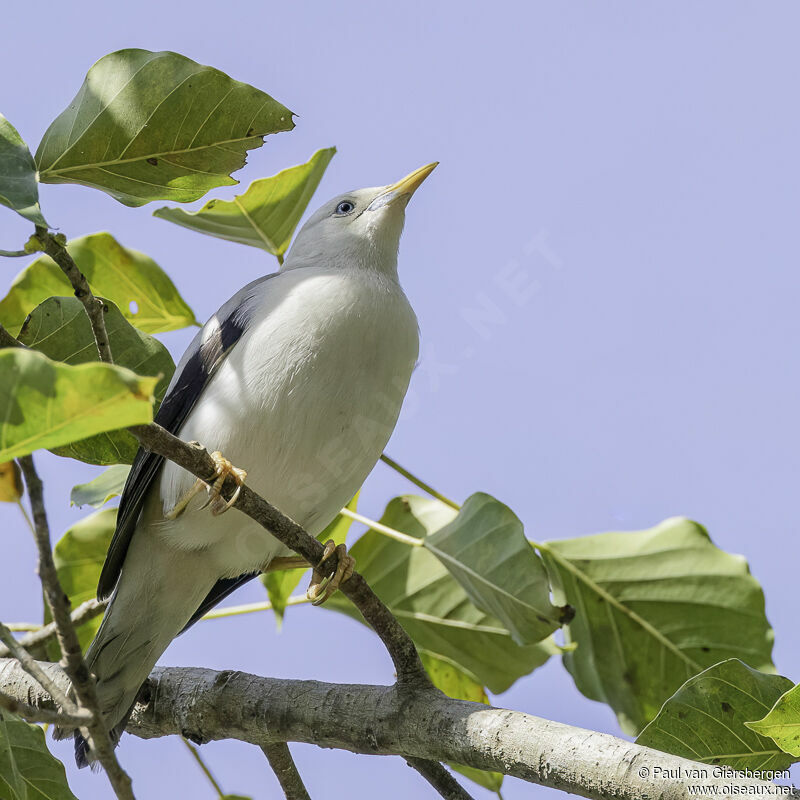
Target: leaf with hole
[(265, 215), (281, 584), (157, 126), (97, 492), (652, 609), (79, 555), (431, 605), (706, 720), (132, 281), (60, 328), (45, 404), (19, 188), (485, 550), (27, 769)]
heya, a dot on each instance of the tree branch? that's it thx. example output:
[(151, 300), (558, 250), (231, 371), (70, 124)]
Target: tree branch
[(38, 639), (438, 777), (381, 720), (282, 763), (54, 246), (58, 603)]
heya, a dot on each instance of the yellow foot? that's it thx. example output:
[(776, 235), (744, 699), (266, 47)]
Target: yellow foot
[(222, 469), (320, 589)]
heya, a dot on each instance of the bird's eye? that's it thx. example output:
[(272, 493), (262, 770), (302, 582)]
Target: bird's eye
[(345, 207)]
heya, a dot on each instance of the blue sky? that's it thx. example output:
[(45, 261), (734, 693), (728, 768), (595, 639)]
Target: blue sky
[(604, 267)]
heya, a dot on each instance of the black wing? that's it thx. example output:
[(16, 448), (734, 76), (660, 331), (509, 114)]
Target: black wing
[(198, 364)]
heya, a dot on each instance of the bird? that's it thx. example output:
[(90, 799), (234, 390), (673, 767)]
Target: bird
[(297, 380)]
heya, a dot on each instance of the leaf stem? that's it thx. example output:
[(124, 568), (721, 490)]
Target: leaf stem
[(199, 759), (13, 253), (250, 608), (25, 514), (419, 482), (379, 527)]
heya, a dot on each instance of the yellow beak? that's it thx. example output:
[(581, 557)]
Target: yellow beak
[(404, 188), (411, 183)]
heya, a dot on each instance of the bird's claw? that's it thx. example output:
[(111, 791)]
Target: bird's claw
[(322, 587), (222, 469)]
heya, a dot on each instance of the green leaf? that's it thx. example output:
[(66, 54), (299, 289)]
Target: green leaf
[(652, 609), (706, 719), (45, 404), (27, 769), (100, 490), (60, 329), (280, 585), (265, 215), (19, 189), (458, 685), (157, 126), (431, 605), (486, 551), (79, 555), (134, 282), (782, 722)]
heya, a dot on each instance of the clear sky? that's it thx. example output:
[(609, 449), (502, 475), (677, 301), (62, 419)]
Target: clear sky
[(633, 165)]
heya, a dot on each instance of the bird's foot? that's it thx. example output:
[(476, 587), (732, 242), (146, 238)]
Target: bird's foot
[(321, 588), (222, 469)]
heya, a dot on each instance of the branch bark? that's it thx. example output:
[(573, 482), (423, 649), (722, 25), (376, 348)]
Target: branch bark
[(282, 763), (206, 705)]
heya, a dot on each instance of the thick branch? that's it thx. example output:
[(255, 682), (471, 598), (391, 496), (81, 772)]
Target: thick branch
[(379, 720), (280, 759)]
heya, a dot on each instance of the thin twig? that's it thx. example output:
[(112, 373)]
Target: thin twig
[(13, 253), (426, 487), (75, 667), (95, 307), (32, 714), (202, 764), (282, 763), (44, 634), (438, 777), (31, 666)]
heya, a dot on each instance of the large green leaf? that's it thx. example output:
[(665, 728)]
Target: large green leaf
[(705, 720), (144, 293), (280, 585), (456, 684), (27, 770), (431, 605), (79, 555), (652, 609), (782, 722), (44, 403), (157, 126), (108, 484), (19, 189), (60, 329), (486, 551), (265, 215)]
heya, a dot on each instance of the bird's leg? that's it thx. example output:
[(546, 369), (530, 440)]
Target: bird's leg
[(222, 469), (321, 588)]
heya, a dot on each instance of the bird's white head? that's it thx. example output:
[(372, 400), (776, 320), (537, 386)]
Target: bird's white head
[(358, 229)]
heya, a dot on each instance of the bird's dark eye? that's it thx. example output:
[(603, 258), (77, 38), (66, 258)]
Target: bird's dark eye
[(345, 207)]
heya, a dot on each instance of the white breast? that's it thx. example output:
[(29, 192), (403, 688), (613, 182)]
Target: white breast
[(305, 402)]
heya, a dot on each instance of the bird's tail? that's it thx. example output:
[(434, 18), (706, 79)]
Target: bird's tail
[(159, 590)]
